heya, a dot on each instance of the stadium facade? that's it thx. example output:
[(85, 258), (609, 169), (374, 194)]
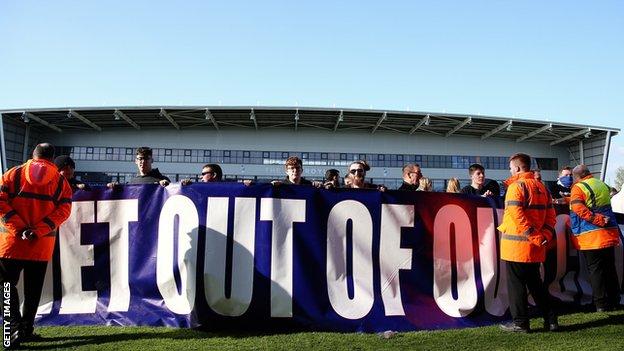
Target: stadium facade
[(253, 142)]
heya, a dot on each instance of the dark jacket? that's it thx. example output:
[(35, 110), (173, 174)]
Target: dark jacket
[(490, 185), (154, 176), (408, 187), (559, 191), (303, 181)]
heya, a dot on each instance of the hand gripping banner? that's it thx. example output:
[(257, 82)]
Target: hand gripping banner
[(219, 255)]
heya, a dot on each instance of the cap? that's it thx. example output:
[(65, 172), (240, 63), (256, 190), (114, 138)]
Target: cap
[(64, 160)]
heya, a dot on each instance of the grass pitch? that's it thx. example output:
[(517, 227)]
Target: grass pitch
[(579, 331)]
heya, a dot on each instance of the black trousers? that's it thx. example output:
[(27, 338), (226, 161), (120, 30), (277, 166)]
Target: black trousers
[(521, 276), (603, 276), (34, 274)]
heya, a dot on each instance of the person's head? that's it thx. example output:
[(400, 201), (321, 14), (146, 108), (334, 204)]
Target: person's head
[(537, 173), (565, 171), (412, 173), (347, 180), (43, 151), (579, 172), (211, 172), (565, 177), (453, 185), (144, 160), (425, 184), (332, 175), (357, 171), (519, 163), (294, 169), (65, 166), (477, 175)]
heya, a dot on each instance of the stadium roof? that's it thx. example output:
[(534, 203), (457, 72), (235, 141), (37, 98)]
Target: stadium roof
[(296, 118)]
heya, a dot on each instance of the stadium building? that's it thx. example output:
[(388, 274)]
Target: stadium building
[(253, 142)]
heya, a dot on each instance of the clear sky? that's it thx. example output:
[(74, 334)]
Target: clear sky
[(548, 60)]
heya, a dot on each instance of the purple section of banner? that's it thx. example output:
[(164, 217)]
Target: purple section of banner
[(220, 255)]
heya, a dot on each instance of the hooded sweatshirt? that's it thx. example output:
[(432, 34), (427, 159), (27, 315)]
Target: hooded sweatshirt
[(32, 196)]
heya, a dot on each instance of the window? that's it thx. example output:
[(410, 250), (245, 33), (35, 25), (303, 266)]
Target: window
[(246, 154), (109, 150), (187, 152), (128, 151), (206, 153), (226, 153), (343, 157), (362, 157), (284, 154), (168, 152), (265, 154), (381, 157), (89, 150), (304, 155), (399, 157), (324, 156)]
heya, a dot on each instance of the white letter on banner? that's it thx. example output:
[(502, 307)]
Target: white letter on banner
[(118, 213), (283, 213), (73, 257), (242, 255), (392, 257), (184, 208), (363, 299), (492, 268), (442, 280)]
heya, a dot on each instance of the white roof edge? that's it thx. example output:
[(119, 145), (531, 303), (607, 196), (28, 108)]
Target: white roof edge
[(303, 109)]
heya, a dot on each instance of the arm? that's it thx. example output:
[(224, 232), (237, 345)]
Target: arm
[(577, 205), (61, 212), (10, 219)]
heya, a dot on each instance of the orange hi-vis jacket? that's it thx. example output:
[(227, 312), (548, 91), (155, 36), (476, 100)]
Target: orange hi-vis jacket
[(592, 220), (36, 196), (528, 221)]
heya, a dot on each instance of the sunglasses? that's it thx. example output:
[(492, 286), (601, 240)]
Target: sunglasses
[(209, 172), (354, 171), (142, 158)]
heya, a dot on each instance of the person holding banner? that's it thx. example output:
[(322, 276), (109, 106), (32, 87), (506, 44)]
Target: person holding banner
[(294, 170), (411, 177), (357, 176), (527, 227), (35, 199), (594, 233), (147, 174), (66, 167)]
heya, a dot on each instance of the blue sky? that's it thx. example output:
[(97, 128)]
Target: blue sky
[(546, 60)]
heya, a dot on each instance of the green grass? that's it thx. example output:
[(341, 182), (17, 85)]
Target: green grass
[(580, 331)]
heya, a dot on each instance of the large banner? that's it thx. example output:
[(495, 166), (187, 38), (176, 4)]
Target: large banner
[(221, 255)]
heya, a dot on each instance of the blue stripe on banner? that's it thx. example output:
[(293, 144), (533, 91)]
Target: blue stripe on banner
[(228, 255)]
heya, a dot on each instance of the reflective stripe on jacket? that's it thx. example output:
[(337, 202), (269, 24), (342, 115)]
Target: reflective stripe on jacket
[(528, 220), (590, 204), (36, 196)]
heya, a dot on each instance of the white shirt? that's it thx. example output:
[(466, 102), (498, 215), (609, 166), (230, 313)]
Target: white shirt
[(617, 202)]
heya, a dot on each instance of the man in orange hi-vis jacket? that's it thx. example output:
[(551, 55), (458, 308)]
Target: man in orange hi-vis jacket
[(527, 227), (594, 233), (34, 200)]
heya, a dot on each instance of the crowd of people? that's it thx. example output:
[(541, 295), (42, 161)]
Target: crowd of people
[(35, 199)]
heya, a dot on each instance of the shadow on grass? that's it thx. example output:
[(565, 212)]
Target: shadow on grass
[(72, 341), (609, 320)]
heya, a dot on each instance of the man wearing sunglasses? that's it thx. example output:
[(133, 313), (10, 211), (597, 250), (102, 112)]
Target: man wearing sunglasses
[(210, 173), (357, 175), (411, 177)]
